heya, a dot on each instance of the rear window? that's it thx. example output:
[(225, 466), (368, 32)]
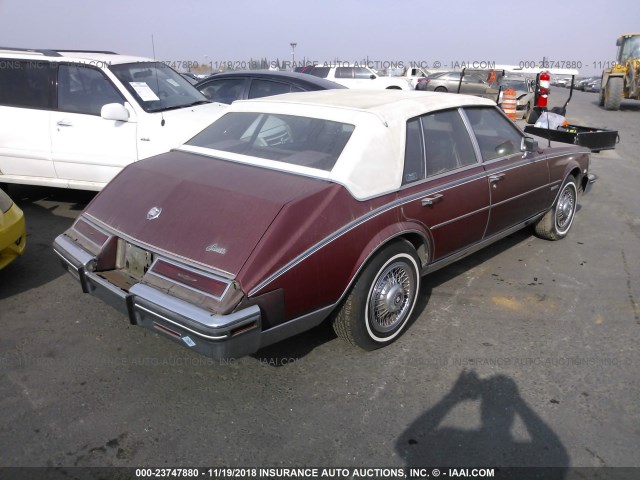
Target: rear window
[(24, 83), (303, 141), (321, 72)]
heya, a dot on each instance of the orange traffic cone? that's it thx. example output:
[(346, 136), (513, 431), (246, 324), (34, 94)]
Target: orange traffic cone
[(509, 103)]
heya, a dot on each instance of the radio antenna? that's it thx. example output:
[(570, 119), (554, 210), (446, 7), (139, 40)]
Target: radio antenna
[(155, 69)]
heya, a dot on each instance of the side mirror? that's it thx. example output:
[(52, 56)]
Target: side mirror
[(372, 77), (529, 145), (505, 148), (114, 111)]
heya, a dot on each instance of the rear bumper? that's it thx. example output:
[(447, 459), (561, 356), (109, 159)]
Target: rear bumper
[(217, 336)]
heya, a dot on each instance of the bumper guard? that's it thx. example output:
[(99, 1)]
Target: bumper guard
[(216, 336)]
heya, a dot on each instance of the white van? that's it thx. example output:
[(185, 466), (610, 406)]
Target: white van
[(75, 119)]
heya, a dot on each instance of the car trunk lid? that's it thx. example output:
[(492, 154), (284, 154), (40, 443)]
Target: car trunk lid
[(206, 210)]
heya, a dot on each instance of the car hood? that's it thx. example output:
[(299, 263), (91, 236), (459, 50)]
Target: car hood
[(162, 131), (207, 211), (188, 121)]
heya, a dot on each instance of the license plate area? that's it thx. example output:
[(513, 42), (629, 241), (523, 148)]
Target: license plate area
[(136, 260)]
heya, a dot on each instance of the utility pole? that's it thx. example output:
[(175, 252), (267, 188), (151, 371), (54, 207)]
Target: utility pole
[(293, 55)]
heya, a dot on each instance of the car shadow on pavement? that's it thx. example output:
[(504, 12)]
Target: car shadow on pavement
[(298, 346), (39, 264), (465, 264), (499, 441)]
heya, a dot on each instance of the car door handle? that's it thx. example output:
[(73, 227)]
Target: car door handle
[(431, 200), (65, 123), (496, 178)]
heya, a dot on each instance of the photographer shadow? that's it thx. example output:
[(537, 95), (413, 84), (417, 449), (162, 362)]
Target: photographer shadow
[(426, 443)]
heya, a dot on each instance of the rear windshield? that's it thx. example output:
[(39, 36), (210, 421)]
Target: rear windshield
[(303, 141)]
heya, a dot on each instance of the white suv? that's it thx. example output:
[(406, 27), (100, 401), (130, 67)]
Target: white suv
[(75, 119), (359, 78)]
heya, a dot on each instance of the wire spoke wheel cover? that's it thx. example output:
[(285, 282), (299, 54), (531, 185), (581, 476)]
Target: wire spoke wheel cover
[(390, 297), (555, 224), (566, 208), (381, 301)]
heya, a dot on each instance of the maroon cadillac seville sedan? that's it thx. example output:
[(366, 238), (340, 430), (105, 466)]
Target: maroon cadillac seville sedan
[(297, 208)]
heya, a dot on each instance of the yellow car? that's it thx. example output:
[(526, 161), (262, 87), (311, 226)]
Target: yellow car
[(13, 233)]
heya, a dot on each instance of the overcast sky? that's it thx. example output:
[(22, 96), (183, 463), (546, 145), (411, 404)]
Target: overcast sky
[(325, 30)]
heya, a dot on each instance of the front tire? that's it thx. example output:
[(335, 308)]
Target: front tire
[(380, 303), (555, 224), (613, 94)]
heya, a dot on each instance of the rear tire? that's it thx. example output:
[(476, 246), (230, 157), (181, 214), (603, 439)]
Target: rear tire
[(613, 93), (555, 224), (441, 89), (601, 96), (381, 301)]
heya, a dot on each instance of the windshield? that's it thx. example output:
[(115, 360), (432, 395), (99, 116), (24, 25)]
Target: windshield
[(519, 85), (307, 142), (630, 49), (156, 86)]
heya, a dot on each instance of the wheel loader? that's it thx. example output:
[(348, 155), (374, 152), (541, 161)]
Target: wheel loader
[(623, 79)]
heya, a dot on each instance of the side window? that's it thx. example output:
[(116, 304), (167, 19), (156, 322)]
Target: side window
[(344, 72), (497, 136), (413, 155), (363, 73), (84, 90), (266, 88), (447, 142), (24, 83), (223, 90)]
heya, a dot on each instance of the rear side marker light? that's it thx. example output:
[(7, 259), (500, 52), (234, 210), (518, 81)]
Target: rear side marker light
[(164, 329), (244, 328)]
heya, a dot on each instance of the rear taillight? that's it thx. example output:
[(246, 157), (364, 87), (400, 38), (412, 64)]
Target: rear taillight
[(91, 233), (190, 278), (5, 202)]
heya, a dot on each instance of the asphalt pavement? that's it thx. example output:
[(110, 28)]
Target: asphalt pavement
[(525, 353)]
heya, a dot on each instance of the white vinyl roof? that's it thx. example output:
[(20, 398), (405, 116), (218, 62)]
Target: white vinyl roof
[(372, 162)]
